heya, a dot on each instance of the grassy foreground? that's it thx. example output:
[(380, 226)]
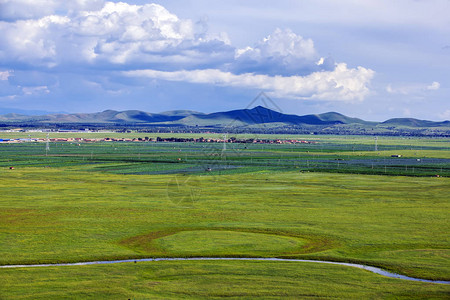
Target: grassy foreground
[(71, 207), (210, 280)]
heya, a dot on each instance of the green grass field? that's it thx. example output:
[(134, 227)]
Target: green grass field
[(106, 201), (210, 280)]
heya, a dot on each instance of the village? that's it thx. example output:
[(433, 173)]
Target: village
[(160, 139)]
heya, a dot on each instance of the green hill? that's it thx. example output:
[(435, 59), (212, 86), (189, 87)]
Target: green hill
[(257, 118)]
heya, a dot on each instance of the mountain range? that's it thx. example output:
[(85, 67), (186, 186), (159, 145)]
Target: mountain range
[(250, 118), (256, 115)]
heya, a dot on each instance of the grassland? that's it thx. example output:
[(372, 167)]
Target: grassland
[(105, 201), (210, 280)]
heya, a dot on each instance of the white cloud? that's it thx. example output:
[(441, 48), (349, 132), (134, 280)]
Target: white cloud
[(27, 41), (282, 52), (86, 35), (4, 75), (412, 89), (434, 86), (342, 84), (35, 90), (118, 33)]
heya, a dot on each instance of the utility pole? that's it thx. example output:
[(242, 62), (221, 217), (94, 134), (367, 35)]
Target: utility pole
[(47, 146), (224, 147), (224, 142)]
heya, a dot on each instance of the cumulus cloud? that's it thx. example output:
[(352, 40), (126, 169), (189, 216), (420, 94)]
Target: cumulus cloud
[(86, 36), (282, 53), (118, 34), (27, 41), (340, 84), (434, 86), (4, 75)]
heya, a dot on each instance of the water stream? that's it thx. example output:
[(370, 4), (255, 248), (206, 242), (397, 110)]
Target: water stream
[(364, 267)]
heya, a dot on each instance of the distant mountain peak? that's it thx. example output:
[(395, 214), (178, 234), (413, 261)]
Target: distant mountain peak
[(260, 107), (249, 118)]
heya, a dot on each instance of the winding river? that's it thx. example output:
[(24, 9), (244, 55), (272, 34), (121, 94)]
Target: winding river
[(364, 267)]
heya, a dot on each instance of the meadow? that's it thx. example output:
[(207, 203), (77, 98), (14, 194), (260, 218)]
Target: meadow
[(336, 200)]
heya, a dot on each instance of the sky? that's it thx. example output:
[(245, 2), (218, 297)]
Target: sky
[(371, 59)]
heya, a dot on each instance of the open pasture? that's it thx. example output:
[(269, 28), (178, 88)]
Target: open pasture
[(420, 157), (210, 280), (105, 201)]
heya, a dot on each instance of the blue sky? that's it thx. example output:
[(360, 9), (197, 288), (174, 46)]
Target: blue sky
[(373, 59)]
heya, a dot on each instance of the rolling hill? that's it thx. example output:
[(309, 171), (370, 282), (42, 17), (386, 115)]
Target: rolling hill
[(410, 122), (257, 117)]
